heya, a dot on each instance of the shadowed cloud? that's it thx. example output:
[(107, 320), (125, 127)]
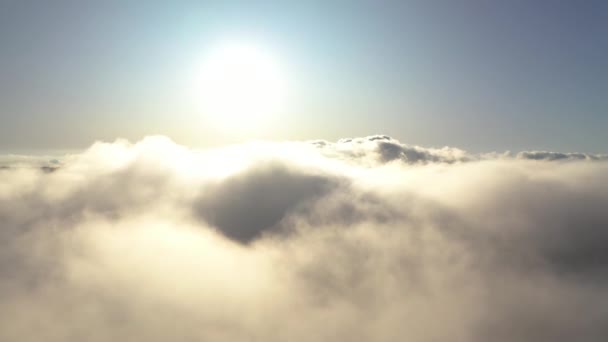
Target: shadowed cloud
[(248, 204)]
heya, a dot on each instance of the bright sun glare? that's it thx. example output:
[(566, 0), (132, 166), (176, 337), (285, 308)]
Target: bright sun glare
[(242, 85)]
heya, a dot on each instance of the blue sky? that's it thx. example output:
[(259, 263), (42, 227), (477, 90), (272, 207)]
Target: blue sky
[(480, 75)]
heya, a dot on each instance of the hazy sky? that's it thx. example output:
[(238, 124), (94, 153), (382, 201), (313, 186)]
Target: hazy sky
[(479, 75)]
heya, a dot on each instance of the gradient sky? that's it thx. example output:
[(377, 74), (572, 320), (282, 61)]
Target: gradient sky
[(480, 75)]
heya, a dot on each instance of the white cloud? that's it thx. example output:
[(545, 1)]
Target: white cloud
[(364, 239)]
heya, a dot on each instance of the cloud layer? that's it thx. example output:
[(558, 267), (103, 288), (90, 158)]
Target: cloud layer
[(364, 239)]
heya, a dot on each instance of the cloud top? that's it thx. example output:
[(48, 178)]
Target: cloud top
[(357, 240)]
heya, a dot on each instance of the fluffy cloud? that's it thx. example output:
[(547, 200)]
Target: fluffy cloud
[(381, 149), (359, 240)]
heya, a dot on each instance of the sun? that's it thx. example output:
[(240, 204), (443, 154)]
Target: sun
[(241, 85)]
